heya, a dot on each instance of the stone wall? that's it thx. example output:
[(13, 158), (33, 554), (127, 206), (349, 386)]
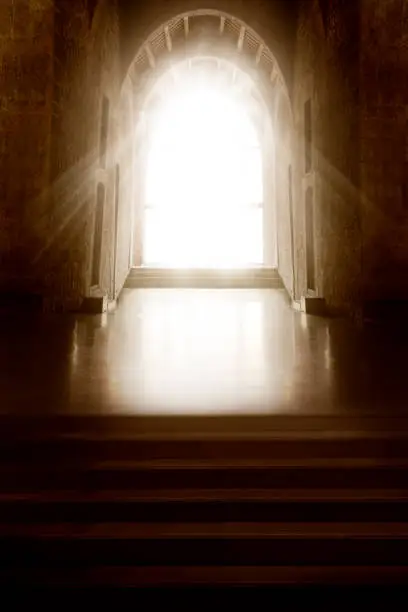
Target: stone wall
[(351, 61), (327, 74), (283, 143), (384, 147), (59, 59), (26, 71), (86, 69), (125, 155)]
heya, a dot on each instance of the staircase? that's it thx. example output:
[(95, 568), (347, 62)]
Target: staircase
[(245, 278), (170, 502)]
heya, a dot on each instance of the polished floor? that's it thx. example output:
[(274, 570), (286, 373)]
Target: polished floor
[(189, 351)]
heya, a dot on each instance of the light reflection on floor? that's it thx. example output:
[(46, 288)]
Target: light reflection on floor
[(200, 351), (211, 351)]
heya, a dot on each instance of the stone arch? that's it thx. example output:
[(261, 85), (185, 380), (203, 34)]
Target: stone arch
[(253, 55), (274, 21), (248, 44), (228, 38)]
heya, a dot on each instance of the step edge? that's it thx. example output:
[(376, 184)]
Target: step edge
[(209, 495), (221, 575), (216, 531)]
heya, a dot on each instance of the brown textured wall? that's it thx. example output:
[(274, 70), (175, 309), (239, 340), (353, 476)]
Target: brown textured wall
[(384, 147), (327, 72), (86, 68), (26, 51), (58, 58)]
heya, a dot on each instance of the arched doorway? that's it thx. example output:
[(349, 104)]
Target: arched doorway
[(203, 201), (247, 77)]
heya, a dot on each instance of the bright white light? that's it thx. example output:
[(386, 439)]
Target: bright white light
[(204, 177)]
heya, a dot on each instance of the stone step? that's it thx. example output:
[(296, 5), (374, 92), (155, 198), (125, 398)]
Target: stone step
[(202, 544), (138, 448), (228, 499), (204, 531), (205, 506), (255, 271), (204, 278), (176, 427), (217, 576), (207, 495), (93, 477)]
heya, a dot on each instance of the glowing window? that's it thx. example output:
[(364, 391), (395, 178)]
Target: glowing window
[(204, 193)]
